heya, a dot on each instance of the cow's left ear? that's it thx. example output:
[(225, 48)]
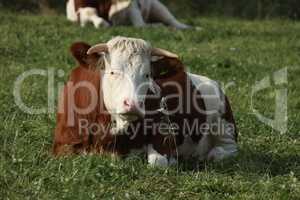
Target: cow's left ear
[(164, 63), (166, 67)]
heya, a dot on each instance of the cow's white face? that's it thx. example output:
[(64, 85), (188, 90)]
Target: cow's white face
[(126, 78), (125, 83)]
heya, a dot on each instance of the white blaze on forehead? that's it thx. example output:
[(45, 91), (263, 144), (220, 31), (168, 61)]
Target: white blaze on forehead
[(129, 46)]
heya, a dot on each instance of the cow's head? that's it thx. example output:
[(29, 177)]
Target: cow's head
[(127, 77)]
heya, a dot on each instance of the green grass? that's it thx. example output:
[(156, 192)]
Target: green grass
[(268, 166)]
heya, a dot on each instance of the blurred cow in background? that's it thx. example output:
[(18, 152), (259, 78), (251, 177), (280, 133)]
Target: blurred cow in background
[(121, 12)]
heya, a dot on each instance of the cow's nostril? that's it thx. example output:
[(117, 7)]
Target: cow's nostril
[(131, 105), (127, 103)]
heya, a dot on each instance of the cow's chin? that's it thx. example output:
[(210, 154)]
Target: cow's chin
[(121, 124)]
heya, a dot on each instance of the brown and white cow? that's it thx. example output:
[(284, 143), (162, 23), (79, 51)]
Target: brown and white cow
[(126, 95), (120, 12)]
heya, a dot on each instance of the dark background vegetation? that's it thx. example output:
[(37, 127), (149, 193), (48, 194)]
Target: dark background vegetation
[(251, 9)]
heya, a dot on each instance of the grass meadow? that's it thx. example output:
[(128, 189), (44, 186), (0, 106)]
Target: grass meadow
[(236, 52)]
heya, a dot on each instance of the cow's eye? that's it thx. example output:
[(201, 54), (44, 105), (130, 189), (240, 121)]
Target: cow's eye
[(112, 73), (147, 76)]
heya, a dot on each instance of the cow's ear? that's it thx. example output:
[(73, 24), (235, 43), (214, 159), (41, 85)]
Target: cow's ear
[(96, 61), (79, 51), (96, 54), (165, 67), (164, 63)]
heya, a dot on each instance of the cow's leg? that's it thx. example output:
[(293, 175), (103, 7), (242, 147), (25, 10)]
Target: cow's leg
[(162, 150), (226, 138), (89, 14), (222, 152), (84, 15), (70, 11), (218, 146), (203, 147), (155, 158), (135, 15), (98, 21), (83, 22), (123, 14), (160, 13)]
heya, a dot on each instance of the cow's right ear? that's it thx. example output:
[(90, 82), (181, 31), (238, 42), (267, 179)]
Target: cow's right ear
[(79, 51)]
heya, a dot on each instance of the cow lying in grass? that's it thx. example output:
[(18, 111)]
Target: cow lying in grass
[(126, 96), (120, 12)]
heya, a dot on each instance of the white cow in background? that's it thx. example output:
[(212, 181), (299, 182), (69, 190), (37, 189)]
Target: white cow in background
[(104, 13)]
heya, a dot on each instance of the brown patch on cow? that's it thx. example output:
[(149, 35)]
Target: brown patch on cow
[(67, 131), (166, 68), (171, 70)]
